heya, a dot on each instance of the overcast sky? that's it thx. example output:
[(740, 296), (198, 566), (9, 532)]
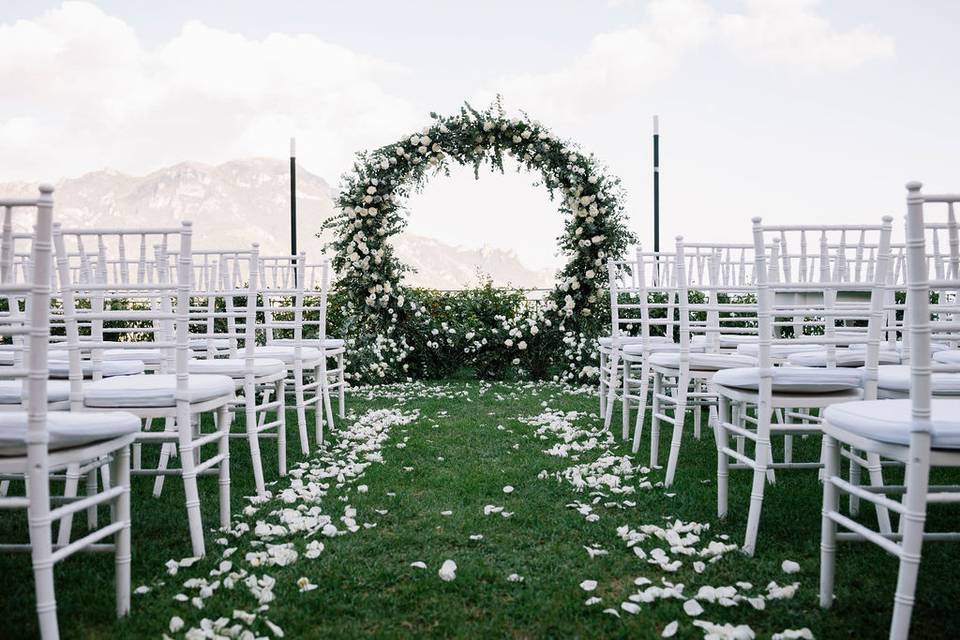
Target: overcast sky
[(788, 109)]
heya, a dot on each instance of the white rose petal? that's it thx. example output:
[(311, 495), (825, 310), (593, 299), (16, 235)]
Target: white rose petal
[(418, 565), (448, 571), (789, 566), (692, 608), (670, 630), (588, 585)]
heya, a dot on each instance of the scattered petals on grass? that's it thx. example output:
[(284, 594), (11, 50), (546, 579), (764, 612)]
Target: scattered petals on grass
[(448, 571)]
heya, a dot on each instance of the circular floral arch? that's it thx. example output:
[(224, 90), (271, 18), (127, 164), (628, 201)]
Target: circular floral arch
[(371, 210)]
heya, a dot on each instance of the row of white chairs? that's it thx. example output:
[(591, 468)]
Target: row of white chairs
[(814, 330), (102, 353)]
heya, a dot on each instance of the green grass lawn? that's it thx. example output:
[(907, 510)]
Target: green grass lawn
[(468, 441)]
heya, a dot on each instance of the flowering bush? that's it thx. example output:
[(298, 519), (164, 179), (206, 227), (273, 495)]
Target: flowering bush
[(403, 332)]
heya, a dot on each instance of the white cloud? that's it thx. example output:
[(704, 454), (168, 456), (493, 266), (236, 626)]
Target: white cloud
[(83, 92), (792, 34), (622, 64)]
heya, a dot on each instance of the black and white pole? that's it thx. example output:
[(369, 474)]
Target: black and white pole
[(656, 184), (293, 200)]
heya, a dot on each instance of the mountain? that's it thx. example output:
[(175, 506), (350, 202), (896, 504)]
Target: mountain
[(243, 201)]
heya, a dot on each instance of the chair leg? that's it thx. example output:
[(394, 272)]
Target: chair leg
[(120, 477), (611, 390), (167, 449), (916, 480), (253, 437), (828, 528), (92, 490), (190, 490), (223, 479), (762, 452), (41, 551), (697, 413), (625, 405), (723, 465), (281, 426), (69, 491), (641, 408), (679, 414), (602, 387), (875, 471), (301, 409), (853, 501), (342, 388)]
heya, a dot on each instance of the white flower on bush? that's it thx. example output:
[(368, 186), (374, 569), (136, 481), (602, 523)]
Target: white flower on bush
[(521, 345)]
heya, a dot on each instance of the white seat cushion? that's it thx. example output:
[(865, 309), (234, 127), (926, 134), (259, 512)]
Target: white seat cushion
[(793, 379), (286, 353), (890, 421), (236, 367), (844, 358), (329, 343), (703, 361), (948, 357), (11, 391), (153, 390), (60, 370), (731, 340), (146, 355), (777, 350), (65, 429), (607, 341), (897, 378), (213, 343), (658, 347)]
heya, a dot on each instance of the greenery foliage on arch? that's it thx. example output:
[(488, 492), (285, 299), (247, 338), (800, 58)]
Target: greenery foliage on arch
[(389, 323)]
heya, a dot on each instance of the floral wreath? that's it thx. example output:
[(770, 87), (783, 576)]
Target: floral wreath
[(371, 210)]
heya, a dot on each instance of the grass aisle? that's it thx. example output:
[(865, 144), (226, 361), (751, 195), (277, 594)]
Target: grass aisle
[(426, 502)]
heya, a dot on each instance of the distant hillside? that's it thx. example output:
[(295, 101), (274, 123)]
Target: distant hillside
[(243, 201)]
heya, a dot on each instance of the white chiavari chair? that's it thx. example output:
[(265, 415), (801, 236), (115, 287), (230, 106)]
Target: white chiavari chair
[(143, 316), (284, 307), (222, 279), (642, 303), (920, 432), (35, 442), (816, 310), (317, 287), (681, 377)]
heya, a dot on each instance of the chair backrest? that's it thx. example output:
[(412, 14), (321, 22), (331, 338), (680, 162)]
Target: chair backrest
[(124, 308), (27, 331), (924, 320), (642, 296), (282, 289), (842, 307), (223, 301), (718, 299)]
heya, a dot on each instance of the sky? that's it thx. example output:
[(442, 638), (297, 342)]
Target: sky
[(793, 110)]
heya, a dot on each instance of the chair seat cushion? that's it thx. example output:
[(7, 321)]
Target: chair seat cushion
[(286, 353), (781, 350), (153, 390), (948, 357), (146, 355), (793, 379), (202, 344), (703, 361), (658, 347), (732, 340), (236, 367), (607, 341), (11, 391), (890, 421), (897, 379), (329, 343), (60, 370), (65, 429), (844, 358)]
